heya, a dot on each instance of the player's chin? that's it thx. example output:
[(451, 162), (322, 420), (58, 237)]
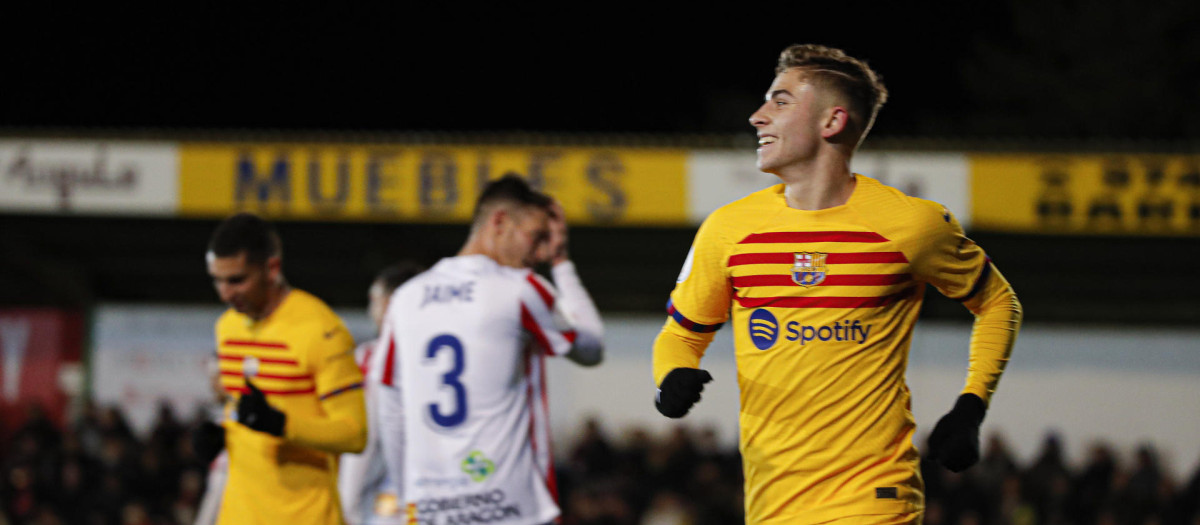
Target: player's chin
[(764, 163)]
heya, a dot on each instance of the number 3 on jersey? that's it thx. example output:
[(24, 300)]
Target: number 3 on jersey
[(458, 414)]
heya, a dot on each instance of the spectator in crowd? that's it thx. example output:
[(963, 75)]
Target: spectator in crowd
[(53, 479)]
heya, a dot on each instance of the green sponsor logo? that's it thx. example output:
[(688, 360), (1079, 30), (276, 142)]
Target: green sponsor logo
[(478, 466)]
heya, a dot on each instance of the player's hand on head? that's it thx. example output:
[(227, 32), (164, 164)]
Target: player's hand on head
[(679, 390), (554, 250), (954, 441), (255, 412)]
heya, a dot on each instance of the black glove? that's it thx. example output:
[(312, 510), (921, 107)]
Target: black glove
[(207, 441), (680, 390), (254, 412), (955, 439)]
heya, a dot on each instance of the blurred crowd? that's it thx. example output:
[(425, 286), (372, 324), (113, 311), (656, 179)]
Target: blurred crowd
[(97, 471)]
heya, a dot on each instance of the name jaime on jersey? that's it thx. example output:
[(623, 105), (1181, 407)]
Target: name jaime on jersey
[(448, 293), (765, 330)]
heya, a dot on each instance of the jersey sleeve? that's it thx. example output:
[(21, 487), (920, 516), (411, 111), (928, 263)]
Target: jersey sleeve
[(959, 269), (703, 290), (698, 306), (339, 384), (945, 257), (389, 397), (577, 305), (543, 317)]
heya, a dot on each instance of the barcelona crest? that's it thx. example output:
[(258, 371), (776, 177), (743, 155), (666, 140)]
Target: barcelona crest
[(809, 269)]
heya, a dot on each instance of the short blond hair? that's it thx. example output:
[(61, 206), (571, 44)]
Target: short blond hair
[(832, 69)]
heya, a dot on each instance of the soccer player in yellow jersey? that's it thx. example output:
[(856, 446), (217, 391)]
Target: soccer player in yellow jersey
[(823, 276), (289, 362)]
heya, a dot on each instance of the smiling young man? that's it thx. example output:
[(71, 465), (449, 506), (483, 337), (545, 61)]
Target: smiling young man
[(465, 420), (289, 362), (824, 275)]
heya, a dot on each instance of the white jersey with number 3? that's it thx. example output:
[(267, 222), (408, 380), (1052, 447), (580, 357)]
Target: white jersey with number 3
[(467, 340)]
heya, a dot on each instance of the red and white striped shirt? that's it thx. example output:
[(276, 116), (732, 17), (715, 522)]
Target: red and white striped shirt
[(464, 360)]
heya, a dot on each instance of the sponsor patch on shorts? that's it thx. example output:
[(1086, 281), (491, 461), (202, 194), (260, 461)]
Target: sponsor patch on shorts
[(885, 493)]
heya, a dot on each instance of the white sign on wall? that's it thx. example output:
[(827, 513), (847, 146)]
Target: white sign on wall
[(72, 176), (145, 355), (716, 178)]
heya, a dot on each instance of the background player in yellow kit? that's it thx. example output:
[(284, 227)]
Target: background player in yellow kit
[(824, 275), (290, 361)]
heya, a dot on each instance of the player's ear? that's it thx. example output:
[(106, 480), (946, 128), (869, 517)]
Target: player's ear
[(836, 121), (274, 267), (498, 217)]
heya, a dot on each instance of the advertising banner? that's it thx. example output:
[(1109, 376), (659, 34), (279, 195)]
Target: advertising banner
[(114, 178), (1087, 194), (596, 186)]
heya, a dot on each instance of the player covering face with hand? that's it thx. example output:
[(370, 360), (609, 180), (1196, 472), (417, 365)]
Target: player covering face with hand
[(824, 276), (465, 409)]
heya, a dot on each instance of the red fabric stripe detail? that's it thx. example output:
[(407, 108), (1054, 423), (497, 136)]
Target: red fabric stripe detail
[(798, 237), (681, 319), (547, 297), (866, 258), (823, 302), (256, 344), (271, 360), (389, 363), (243, 390), (830, 280), (570, 335), (530, 324), (366, 358), (833, 258), (237, 373)]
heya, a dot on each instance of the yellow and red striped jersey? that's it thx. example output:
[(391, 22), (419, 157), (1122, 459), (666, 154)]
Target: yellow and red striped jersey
[(302, 357), (823, 305)]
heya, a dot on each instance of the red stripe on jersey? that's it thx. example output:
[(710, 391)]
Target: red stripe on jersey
[(570, 335), (366, 358), (830, 280), (286, 377), (389, 363), (866, 258), (833, 258), (243, 390), (799, 237), (270, 360), (255, 344), (541, 290), (823, 302), (531, 325)]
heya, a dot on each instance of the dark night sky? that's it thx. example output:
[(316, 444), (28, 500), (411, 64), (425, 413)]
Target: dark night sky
[(454, 68)]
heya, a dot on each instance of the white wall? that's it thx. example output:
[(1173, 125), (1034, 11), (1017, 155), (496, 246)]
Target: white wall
[(1123, 386), (1120, 385)]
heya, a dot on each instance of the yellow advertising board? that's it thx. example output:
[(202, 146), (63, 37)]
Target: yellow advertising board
[(426, 183), (1086, 194)]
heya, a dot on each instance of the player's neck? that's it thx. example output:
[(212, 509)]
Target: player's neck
[(274, 299), (826, 182), (477, 245)]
